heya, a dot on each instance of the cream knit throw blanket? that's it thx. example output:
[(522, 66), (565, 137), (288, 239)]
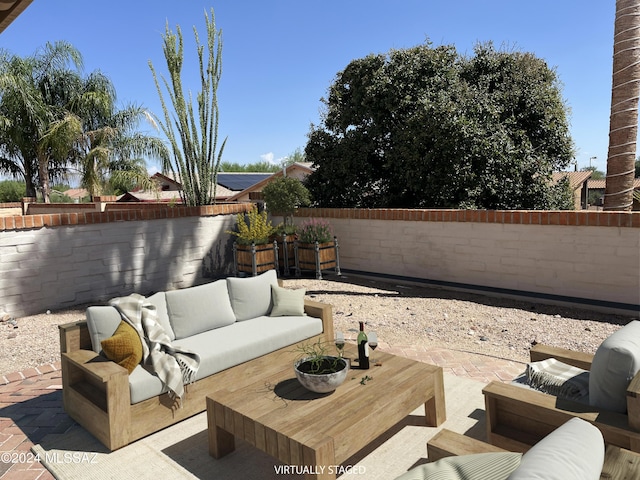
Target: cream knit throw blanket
[(175, 366), (559, 379)]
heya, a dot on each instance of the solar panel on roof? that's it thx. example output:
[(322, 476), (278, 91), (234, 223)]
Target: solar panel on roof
[(240, 181)]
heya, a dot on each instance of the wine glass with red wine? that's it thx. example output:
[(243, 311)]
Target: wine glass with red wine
[(372, 338)]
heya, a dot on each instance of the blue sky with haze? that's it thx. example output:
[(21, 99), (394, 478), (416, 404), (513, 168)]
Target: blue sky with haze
[(280, 56)]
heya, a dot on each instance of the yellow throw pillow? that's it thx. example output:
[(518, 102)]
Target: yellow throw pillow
[(124, 347)]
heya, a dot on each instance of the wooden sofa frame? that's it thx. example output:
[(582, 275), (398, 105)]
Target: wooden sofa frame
[(519, 417), (618, 463), (95, 390)]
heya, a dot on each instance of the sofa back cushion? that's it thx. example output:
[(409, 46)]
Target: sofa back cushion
[(160, 302), (251, 296), (102, 322), (573, 451), (198, 309), (615, 363)]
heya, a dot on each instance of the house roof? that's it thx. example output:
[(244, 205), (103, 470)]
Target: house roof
[(600, 184), (576, 179), (9, 11), (76, 192), (238, 181), (305, 167), (222, 193)]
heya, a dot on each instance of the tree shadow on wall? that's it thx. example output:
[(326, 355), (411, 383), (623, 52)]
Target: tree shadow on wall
[(94, 263)]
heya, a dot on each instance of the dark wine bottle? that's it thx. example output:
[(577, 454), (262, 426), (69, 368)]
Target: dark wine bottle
[(363, 348)]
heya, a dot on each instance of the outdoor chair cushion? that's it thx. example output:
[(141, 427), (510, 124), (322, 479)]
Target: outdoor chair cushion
[(479, 466), (124, 347), (573, 451), (287, 301), (198, 309), (251, 296), (615, 363)]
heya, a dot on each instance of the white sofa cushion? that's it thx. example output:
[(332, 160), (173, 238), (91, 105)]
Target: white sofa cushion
[(251, 296), (232, 345), (573, 451), (615, 363), (479, 466), (160, 302), (102, 322), (197, 309)]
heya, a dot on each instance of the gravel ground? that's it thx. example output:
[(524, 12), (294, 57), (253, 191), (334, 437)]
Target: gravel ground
[(402, 315)]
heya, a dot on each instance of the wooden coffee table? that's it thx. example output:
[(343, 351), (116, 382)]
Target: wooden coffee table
[(268, 408)]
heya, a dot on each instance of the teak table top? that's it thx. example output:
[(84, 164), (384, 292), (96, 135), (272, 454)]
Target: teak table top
[(269, 408)]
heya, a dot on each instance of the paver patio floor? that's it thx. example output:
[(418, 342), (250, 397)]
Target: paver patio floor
[(31, 402)]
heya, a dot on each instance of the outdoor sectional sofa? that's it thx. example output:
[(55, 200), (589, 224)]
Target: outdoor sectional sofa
[(226, 322)]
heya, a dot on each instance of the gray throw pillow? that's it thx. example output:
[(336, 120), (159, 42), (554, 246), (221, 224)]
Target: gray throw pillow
[(287, 301), (195, 310), (615, 363), (251, 296)]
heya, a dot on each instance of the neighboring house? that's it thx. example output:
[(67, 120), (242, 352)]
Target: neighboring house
[(232, 186), (597, 187), (578, 185), (76, 194), (299, 170), (168, 191)]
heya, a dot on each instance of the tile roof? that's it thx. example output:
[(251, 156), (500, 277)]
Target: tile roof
[(576, 179), (600, 184)]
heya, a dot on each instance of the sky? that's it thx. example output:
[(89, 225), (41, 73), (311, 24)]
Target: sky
[(280, 56)]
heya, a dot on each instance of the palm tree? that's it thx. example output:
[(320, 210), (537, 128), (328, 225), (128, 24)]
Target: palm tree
[(54, 120), (32, 97), (101, 141), (623, 129)]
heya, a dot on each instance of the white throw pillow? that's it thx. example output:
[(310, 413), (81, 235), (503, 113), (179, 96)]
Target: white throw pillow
[(287, 301)]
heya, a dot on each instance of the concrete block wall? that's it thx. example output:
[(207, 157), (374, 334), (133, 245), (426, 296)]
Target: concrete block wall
[(587, 256), (69, 262), (52, 261)]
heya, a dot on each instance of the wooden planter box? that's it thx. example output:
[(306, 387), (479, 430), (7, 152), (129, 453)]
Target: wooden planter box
[(255, 259), (317, 256)]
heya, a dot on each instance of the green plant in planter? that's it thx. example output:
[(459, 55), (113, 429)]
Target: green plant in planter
[(283, 195), (253, 227), (318, 359), (315, 230)]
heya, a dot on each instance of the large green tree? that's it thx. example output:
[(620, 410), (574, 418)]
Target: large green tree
[(193, 134), (427, 127)]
